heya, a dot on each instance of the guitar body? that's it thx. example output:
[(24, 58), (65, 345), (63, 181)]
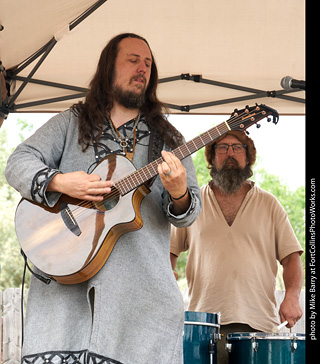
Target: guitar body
[(71, 241)]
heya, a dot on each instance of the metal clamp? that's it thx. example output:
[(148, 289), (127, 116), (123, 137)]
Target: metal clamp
[(211, 351), (255, 344), (294, 345), (228, 347)]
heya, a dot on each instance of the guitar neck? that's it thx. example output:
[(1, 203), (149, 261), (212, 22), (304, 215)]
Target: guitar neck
[(141, 176)]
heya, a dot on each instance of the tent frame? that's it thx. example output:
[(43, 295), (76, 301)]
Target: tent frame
[(81, 92), (255, 93), (8, 104)]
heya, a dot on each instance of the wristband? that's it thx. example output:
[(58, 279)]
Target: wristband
[(180, 196)]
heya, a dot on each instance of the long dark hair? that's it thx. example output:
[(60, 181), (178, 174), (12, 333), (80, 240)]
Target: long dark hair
[(98, 103)]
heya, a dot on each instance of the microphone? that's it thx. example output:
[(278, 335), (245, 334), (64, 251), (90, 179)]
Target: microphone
[(288, 83)]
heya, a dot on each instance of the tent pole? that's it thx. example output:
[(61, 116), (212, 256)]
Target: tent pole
[(187, 108), (51, 44), (51, 101), (257, 93), (53, 84), (13, 72), (86, 13), (45, 50)]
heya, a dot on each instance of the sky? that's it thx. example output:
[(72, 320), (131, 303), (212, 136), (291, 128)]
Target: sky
[(281, 148)]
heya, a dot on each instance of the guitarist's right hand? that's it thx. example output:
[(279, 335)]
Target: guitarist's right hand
[(80, 185)]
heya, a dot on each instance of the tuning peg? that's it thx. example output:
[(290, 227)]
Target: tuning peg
[(258, 126), (268, 120), (247, 132)]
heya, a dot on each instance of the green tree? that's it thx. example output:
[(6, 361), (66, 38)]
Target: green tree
[(292, 201), (11, 261)]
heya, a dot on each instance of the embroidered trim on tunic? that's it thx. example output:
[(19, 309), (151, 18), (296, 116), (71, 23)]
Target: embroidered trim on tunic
[(67, 357), (98, 359), (56, 357), (40, 183), (100, 147)]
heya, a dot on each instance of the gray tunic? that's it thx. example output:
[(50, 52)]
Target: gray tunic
[(137, 316)]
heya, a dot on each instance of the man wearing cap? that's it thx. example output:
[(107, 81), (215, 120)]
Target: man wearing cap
[(234, 246)]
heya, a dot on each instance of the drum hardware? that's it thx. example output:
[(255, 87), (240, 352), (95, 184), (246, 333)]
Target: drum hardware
[(255, 344), (294, 345), (211, 351)]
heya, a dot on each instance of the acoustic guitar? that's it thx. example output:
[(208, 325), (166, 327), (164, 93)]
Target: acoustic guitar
[(71, 241)]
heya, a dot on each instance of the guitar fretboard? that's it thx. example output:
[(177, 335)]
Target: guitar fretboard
[(139, 177)]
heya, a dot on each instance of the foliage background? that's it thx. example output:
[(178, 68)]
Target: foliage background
[(11, 261)]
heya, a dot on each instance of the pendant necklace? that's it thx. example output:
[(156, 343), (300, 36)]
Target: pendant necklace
[(124, 142)]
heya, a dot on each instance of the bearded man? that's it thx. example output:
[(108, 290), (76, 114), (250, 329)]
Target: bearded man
[(131, 310), (234, 246)]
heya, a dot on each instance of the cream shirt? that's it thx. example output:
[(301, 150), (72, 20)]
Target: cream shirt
[(232, 269)]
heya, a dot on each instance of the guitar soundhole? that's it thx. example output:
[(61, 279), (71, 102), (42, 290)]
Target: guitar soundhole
[(111, 200)]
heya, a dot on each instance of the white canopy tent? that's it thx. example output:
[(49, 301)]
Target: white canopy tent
[(212, 55)]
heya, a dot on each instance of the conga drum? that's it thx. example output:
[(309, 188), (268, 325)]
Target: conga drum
[(266, 348), (201, 333)]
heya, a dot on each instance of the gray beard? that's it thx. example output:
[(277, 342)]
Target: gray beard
[(229, 179)]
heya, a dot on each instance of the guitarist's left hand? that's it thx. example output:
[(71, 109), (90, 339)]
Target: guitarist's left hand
[(174, 179)]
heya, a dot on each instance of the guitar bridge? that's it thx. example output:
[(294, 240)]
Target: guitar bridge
[(69, 219)]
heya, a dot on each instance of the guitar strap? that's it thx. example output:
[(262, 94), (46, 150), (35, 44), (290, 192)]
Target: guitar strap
[(155, 147), (45, 279)]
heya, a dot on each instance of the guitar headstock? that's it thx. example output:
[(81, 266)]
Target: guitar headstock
[(241, 120)]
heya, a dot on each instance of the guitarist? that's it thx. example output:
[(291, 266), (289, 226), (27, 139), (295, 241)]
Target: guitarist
[(131, 311)]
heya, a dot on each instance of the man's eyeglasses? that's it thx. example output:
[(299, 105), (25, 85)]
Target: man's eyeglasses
[(223, 148)]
